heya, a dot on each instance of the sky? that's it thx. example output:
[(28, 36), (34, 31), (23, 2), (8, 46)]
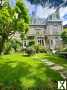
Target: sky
[(43, 12), (12, 3), (63, 15)]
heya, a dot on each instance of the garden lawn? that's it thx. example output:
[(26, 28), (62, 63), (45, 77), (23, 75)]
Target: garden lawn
[(24, 72), (56, 59)]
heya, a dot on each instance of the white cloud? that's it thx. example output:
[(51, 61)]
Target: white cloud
[(63, 11), (45, 12), (40, 11), (12, 3), (64, 22), (30, 7)]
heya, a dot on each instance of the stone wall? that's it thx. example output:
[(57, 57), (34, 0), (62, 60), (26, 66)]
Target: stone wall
[(54, 29)]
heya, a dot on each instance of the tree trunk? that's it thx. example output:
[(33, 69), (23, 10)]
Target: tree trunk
[(2, 41)]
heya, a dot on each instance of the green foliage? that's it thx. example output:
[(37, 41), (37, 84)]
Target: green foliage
[(14, 45), (23, 18), (64, 37), (21, 73), (65, 29), (40, 49), (54, 58), (7, 47), (32, 42), (12, 20), (65, 49), (64, 53), (11, 46), (30, 51), (30, 37)]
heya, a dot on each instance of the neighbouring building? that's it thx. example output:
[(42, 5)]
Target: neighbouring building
[(46, 32)]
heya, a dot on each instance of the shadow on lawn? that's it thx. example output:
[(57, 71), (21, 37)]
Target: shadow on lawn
[(12, 72)]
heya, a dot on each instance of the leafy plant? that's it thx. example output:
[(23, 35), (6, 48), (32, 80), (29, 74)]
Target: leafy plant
[(64, 37), (7, 48), (32, 42), (30, 51), (12, 20), (40, 49)]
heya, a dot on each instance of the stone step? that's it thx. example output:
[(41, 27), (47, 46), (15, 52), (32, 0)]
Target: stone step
[(44, 60), (49, 63), (57, 68), (63, 74)]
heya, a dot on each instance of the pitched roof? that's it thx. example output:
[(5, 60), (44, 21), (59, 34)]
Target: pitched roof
[(38, 21)]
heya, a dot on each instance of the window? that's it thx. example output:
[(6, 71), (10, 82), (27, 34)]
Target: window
[(24, 43), (40, 41), (55, 29), (51, 42), (30, 37)]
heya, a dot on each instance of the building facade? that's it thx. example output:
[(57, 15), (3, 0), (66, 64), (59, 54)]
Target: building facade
[(46, 32)]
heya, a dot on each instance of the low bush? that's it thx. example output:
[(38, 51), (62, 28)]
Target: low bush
[(62, 53), (32, 42), (64, 50), (7, 48), (30, 51), (40, 49)]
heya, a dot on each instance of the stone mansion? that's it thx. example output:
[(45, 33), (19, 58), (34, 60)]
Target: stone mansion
[(46, 32)]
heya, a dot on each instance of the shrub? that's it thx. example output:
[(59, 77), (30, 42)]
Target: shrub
[(7, 47), (40, 49), (64, 50), (11, 46), (62, 53), (31, 43), (16, 45), (30, 51)]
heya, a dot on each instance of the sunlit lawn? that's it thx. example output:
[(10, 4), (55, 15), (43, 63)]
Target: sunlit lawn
[(53, 58), (20, 71)]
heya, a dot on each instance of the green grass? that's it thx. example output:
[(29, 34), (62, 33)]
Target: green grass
[(65, 29), (19, 71), (53, 58)]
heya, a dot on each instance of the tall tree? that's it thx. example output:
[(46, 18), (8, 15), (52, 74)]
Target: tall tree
[(12, 20)]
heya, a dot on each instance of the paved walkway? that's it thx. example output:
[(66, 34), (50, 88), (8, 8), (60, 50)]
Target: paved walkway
[(56, 67)]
